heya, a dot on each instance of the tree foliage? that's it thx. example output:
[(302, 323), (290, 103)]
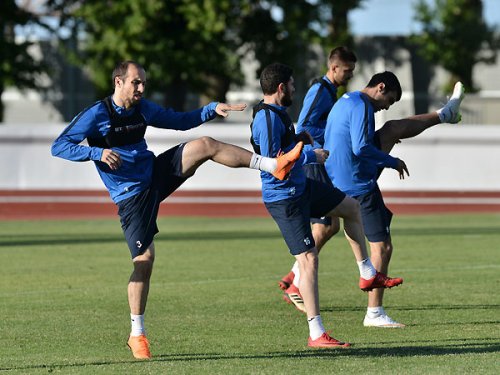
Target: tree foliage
[(456, 36), (184, 44), (279, 30), (197, 45), (18, 68), (334, 15)]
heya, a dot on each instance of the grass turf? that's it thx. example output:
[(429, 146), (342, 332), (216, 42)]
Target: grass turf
[(215, 307)]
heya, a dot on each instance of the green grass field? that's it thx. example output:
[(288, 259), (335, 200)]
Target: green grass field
[(215, 307)]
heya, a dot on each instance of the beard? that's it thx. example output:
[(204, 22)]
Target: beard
[(287, 99)]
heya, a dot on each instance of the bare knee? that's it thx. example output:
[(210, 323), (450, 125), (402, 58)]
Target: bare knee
[(322, 232), (381, 253), (310, 262), (143, 266), (389, 135), (349, 208), (208, 146)]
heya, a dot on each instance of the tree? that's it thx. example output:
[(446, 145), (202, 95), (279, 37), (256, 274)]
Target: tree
[(184, 44), (18, 68), (280, 31), (456, 37), (337, 23), (197, 45), (286, 31)]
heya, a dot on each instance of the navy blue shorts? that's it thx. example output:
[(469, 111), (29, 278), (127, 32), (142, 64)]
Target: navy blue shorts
[(317, 172), (375, 215), (293, 215), (138, 213)]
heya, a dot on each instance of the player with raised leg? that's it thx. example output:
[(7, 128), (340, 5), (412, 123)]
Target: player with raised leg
[(292, 202), (360, 151), (137, 180)]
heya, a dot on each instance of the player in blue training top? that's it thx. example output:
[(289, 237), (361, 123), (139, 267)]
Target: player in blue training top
[(291, 203), (136, 179), (358, 155), (317, 104)]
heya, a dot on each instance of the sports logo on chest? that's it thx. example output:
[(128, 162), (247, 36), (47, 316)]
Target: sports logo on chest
[(128, 128)]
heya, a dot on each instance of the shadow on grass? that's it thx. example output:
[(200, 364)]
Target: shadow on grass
[(445, 231), (398, 350), (87, 238), (414, 308), (41, 239)]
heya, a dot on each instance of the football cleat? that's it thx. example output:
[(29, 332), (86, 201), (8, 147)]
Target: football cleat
[(450, 113), (325, 341), (292, 296), (139, 345), (379, 281), (286, 281), (381, 321), (287, 161)]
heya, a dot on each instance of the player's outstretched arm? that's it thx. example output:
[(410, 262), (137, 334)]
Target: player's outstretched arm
[(223, 109)]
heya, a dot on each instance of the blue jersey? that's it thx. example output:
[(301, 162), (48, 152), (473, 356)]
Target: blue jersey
[(318, 102), (268, 139), (135, 173), (354, 161)]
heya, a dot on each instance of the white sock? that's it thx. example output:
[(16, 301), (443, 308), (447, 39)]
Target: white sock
[(366, 269), (373, 312), (296, 271), (316, 328), (263, 163), (137, 323)]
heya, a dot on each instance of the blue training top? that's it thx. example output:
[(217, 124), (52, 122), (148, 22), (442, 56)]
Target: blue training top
[(354, 160), (135, 173), (273, 189), (317, 104)]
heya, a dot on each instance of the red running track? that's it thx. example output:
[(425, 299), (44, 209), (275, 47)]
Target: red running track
[(78, 204)]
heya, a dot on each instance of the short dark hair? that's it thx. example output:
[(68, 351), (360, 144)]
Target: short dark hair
[(390, 81), (121, 69), (343, 54), (273, 75)]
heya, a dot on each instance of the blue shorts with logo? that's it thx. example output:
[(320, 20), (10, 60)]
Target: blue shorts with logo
[(293, 215), (138, 214), (318, 172), (375, 215)]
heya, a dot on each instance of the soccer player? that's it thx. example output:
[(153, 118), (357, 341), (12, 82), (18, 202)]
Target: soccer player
[(137, 180), (292, 202), (358, 154), (317, 104)]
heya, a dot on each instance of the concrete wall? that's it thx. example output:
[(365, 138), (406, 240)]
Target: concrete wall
[(447, 157)]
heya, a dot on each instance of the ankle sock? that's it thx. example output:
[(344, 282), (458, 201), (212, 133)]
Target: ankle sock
[(366, 269), (373, 312), (263, 163), (137, 325), (316, 328)]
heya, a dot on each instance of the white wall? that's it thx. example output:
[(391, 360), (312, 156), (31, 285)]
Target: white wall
[(447, 157)]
